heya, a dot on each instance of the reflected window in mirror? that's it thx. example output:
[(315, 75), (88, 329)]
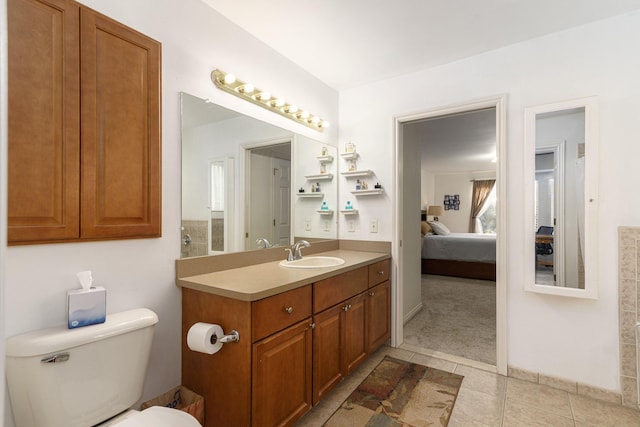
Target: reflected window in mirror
[(561, 185)]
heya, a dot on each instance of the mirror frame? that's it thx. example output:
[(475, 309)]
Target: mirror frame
[(590, 106)]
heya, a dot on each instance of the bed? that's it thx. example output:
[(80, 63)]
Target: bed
[(460, 254)]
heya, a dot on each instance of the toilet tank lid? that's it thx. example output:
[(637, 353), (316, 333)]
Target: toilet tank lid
[(59, 338)]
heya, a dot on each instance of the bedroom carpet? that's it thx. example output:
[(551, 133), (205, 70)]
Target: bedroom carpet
[(458, 318), (399, 393)]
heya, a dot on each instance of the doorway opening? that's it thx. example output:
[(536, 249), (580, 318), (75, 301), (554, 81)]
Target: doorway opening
[(268, 189), (450, 185)]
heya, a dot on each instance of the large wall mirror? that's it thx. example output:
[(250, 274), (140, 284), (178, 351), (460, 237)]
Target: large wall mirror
[(241, 181), (561, 155)]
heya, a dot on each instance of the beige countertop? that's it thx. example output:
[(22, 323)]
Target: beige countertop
[(258, 281)]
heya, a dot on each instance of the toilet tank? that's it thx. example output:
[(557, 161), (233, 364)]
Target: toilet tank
[(79, 377)]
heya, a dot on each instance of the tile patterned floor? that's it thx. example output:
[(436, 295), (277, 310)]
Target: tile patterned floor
[(488, 399)]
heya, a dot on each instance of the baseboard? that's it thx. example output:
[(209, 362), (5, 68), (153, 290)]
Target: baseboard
[(412, 313)]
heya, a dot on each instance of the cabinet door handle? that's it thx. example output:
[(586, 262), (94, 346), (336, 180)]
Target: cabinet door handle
[(381, 272), (289, 310), (347, 307), (372, 293)]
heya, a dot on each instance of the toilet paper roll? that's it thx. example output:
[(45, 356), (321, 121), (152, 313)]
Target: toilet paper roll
[(205, 338)]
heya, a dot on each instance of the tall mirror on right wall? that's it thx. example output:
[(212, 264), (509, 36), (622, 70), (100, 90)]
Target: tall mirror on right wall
[(561, 203)]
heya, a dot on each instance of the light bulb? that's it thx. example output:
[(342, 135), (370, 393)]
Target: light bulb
[(324, 124), (303, 114), (291, 109), (229, 79), (263, 96), (278, 102), (246, 88)]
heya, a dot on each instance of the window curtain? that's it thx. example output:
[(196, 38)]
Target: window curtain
[(481, 191)]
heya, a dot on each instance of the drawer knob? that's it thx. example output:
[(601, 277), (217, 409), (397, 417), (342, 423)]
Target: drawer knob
[(289, 310), (381, 272)]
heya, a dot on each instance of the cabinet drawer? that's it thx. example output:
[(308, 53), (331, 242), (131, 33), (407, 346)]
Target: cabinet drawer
[(279, 311), (336, 289), (379, 272)]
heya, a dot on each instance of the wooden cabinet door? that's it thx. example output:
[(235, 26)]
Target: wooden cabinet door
[(379, 315), (281, 377), (120, 88), (43, 120), (354, 333), (327, 350)]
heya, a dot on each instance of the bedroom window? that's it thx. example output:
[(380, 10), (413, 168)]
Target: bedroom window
[(488, 218)]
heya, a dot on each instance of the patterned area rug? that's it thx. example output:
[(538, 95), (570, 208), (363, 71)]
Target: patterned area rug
[(399, 393)]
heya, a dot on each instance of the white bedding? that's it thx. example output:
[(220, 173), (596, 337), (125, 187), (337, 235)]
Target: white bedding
[(460, 247)]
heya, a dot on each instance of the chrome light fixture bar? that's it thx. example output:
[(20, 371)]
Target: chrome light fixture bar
[(229, 83)]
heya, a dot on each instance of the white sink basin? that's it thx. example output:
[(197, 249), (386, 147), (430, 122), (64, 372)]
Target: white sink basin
[(313, 262)]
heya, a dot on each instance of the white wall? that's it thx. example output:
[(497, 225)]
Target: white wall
[(553, 335), (195, 40)]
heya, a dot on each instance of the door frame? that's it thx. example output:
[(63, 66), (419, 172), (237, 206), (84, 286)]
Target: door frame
[(246, 184), (499, 103)]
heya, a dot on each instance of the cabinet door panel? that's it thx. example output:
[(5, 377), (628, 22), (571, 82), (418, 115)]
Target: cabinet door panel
[(282, 377), (354, 333), (379, 314), (327, 371), (43, 119), (120, 130)]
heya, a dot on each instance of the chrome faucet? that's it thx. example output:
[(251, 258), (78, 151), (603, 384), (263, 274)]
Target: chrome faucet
[(263, 243), (297, 250)]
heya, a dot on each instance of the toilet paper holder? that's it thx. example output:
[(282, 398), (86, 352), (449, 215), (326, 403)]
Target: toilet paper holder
[(233, 336)]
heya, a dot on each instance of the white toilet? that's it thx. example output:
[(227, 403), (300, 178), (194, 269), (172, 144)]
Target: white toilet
[(86, 376)]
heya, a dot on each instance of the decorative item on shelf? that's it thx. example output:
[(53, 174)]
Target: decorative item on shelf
[(349, 147), (365, 186), (348, 206), (377, 186), (317, 187), (324, 206), (323, 168), (358, 185), (352, 165), (313, 188), (301, 190), (324, 151)]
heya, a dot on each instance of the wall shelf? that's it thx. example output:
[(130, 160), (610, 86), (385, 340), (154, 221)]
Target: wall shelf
[(325, 212), (309, 195), (371, 192), (349, 156), (349, 211), (320, 177), (353, 174), (325, 159)]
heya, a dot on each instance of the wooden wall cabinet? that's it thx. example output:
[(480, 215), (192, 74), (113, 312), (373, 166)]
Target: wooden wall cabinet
[(294, 347), (84, 126)]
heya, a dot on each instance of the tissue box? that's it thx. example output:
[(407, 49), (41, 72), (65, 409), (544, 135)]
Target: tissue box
[(86, 307)]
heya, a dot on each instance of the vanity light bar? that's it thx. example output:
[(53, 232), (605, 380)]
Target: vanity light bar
[(229, 83)]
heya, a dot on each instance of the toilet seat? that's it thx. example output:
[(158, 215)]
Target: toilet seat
[(155, 416)]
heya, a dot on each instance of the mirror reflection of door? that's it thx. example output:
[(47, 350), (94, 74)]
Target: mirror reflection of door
[(269, 194), (547, 213), (559, 198)]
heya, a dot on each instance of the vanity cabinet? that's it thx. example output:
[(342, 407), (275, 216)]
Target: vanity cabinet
[(84, 125), (294, 347)]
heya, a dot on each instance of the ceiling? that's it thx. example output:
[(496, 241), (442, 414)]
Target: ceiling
[(347, 43), (457, 143)]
